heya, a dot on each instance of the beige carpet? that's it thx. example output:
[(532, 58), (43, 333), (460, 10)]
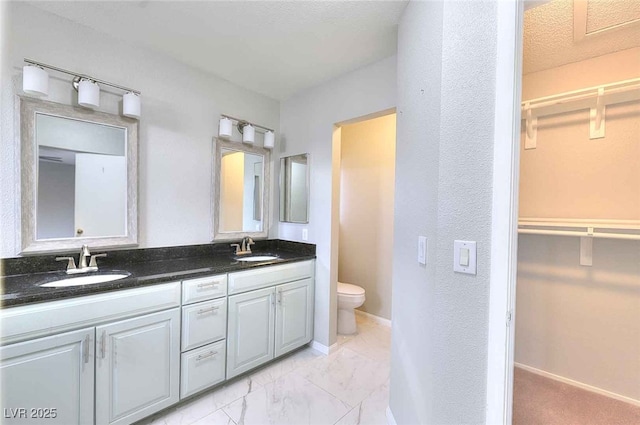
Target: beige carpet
[(542, 401)]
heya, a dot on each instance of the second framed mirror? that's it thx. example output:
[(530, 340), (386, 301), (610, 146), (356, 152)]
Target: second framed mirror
[(241, 181), (294, 189)]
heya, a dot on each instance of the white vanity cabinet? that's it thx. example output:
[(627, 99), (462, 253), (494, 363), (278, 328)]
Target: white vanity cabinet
[(273, 320), (119, 364), (204, 329), (49, 380), (137, 367)]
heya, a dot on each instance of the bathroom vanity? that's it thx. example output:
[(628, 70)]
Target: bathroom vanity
[(116, 352)]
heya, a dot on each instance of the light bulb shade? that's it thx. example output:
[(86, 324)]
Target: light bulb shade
[(131, 105), (88, 94), (248, 133), (35, 80), (226, 127), (269, 139)]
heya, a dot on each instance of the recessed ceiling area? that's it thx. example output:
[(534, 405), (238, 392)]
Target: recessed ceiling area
[(549, 31), (271, 47)]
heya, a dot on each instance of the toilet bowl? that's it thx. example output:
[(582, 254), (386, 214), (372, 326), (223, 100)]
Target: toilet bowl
[(350, 297)]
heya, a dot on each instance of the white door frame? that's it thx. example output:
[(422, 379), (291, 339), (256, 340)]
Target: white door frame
[(504, 225)]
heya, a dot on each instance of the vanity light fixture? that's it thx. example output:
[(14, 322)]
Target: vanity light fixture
[(269, 139), (88, 93), (247, 129), (225, 128), (131, 105), (248, 132), (36, 82)]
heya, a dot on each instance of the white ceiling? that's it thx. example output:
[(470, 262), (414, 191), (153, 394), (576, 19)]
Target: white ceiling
[(272, 47), (548, 32)]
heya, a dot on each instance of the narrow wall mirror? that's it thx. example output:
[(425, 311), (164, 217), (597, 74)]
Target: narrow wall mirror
[(240, 191), (78, 178), (294, 189)]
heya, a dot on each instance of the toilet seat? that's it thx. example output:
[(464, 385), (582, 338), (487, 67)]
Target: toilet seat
[(349, 289)]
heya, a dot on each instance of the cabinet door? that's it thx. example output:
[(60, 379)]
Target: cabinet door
[(294, 315), (250, 334), (49, 380), (137, 367)]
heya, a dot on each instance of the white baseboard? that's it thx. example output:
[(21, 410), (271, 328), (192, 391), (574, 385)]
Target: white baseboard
[(323, 348), (578, 384), (377, 319), (390, 419)]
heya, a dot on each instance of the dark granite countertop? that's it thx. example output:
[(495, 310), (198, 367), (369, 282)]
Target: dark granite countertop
[(23, 276)]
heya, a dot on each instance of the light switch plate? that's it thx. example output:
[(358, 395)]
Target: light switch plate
[(422, 250), (458, 265)]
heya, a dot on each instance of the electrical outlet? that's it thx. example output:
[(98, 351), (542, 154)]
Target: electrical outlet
[(305, 234)]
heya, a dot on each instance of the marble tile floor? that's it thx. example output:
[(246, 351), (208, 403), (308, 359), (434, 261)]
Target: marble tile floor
[(348, 387)]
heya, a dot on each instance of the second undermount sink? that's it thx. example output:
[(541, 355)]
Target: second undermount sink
[(257, 258), (85, 280)]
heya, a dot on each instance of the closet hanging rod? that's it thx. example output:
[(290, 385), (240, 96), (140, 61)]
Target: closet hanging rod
[(628, 236), (620, 92)]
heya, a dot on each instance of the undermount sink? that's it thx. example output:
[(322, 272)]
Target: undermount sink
[(258, 258), (84, 280)]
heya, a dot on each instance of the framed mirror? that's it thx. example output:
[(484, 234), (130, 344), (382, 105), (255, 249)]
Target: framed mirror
[(294, 189), (79, 178), (240, 191)]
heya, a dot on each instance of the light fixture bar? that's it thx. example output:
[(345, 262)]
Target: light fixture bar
[(238, 120), (75, 74)]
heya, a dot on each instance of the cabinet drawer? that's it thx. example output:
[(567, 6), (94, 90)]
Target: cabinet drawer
[(202, 368), (269, 276), (203, 323), (204, 288)]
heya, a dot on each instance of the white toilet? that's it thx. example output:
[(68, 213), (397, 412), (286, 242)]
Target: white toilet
[(349, 298)]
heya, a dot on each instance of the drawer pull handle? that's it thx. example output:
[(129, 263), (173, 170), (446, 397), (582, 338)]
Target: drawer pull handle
[(207, 310), (208, 285), (206, 356)]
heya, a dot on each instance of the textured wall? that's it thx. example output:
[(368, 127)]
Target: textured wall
[(367, 171), (307, 123), (180, 112), (446, 80)]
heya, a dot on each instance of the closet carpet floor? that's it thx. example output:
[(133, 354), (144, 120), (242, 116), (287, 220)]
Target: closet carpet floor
[(542, 401), (348, 387)]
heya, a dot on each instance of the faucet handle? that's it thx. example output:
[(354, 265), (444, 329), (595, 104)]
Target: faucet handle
[(71, 262), (93, 262), (237, 245)]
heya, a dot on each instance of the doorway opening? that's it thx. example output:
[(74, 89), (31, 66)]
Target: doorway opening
[(364, 180), (577, 316)]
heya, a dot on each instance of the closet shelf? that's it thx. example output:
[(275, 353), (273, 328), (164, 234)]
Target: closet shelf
[(607, 229), (620, 92), (593, 98)]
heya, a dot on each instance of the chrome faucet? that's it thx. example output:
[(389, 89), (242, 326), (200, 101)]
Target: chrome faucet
[(245, 248), (82, 262)]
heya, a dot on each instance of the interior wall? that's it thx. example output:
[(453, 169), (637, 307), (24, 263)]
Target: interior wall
[(307, 124), (583, 323), (181, 107), (367, 177), (446, 96), (231, 191), (56, 200), (569, 175)]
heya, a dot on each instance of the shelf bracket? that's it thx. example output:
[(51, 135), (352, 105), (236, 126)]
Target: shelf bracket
[(531, 133), (586, 248), (596, 117)]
